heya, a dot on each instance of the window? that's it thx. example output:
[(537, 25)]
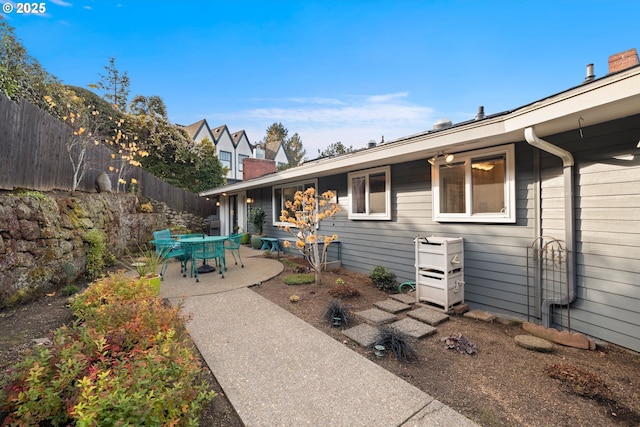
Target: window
[(286, 192), (241, 158), (225, 159), (475, 187), (370, 194)]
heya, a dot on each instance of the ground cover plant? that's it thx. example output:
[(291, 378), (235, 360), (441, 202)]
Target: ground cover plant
[(502, 385), (126, 360)]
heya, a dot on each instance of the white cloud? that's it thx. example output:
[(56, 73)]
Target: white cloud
[(320, 122), (61, 3)]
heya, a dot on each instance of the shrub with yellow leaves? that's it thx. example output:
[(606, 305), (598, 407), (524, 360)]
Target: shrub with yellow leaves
[(302, 217)]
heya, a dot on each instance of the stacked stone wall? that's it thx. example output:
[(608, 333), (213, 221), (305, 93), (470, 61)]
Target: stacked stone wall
[(41, 234)]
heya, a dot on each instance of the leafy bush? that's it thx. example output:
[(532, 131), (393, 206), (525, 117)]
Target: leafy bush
[(395, 342), (343, 291), (300, 279), (96, 254), (336, 311), (126, 361), (257, 218), (383, 279)]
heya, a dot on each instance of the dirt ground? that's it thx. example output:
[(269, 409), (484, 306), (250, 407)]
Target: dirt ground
[(502, 385)]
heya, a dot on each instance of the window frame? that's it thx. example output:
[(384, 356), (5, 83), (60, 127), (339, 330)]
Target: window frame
[(367, 215), (241, 157), (276, 212), (230, 159), (509, 214)]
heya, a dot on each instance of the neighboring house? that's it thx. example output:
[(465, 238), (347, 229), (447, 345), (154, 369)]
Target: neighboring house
[(566, 166), (199, 131), (231, 149), (273, 150), (243, 151)]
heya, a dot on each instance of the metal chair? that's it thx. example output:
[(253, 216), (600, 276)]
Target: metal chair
[(233, 244), (207, 251), (168, 250)]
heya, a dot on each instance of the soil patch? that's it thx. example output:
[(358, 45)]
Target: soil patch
[(493, 381)]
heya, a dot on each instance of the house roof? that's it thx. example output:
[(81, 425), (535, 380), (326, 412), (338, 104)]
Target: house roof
[(217, 132), (607, 98), (193, 129), (237, 136)]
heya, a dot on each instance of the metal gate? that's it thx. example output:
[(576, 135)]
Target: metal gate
[(548, 283)]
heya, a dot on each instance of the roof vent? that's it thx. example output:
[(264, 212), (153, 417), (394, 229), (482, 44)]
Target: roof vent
[(480, 114), (590, 74), (442, 124), (372, 143)]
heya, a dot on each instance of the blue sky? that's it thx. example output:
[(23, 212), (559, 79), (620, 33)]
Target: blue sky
[(348, 71)]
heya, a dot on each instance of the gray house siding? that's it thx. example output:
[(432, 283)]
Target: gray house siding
[(607, 247), (607, 213)]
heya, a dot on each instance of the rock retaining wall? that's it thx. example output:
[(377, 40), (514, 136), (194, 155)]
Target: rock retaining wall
[(41, 235)]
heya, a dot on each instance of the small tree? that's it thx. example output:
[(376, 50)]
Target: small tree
[(303, 216), (86, 126), (115, 85), (256, 217)]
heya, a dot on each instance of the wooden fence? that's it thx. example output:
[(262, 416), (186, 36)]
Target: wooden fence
[(33, 155)]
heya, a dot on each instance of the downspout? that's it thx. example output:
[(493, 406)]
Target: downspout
[(569, 222)]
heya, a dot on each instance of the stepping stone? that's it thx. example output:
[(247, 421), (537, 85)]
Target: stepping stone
[(405, 298), (375, 317), (363, 334), (413, 328), (480, 315), (429, 316), (392, 306), (534, 343)]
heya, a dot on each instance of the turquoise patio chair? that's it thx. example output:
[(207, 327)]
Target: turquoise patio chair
[(168, 250), (232, 244), (208, 251)]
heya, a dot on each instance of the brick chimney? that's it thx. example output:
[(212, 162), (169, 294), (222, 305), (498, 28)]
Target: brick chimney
[(253, 168), (623, 60)]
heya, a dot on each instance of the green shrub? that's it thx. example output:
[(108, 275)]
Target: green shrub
[(300, 279), (126, 361), (96, 254), (383, 279)]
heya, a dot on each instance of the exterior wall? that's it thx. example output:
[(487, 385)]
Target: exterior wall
[(254, 168), (203, 133), (607, 208), (225, 143), (242, 148), (281, 157)]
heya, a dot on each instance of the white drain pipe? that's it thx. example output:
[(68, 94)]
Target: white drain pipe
[(569, 220)]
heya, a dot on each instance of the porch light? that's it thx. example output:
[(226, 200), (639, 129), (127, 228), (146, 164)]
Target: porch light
[(250, 200), (448, 158), (217, 202)]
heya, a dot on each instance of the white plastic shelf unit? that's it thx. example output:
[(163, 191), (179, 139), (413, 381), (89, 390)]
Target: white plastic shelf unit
[(440, 271)]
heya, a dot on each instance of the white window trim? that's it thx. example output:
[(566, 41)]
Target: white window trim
[(387, 197), (508, 216), (277, 210), (230, 158)]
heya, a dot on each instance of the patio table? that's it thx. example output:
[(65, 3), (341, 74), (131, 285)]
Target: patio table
[(193, 243)]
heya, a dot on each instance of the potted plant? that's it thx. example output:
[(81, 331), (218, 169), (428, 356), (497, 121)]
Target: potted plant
[(246, 237), (257, 218), (146, 264)]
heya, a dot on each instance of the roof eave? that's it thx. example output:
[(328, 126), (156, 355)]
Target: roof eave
[(608, 98)]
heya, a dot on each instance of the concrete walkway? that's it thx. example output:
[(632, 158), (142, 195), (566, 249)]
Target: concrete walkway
[(278, 370)]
